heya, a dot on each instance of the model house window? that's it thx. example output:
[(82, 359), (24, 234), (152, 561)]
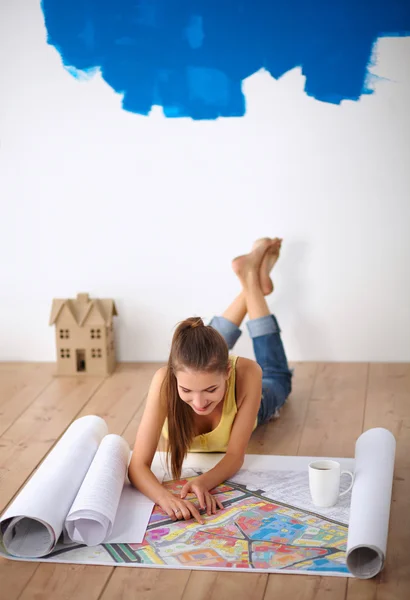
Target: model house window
[(96, 334), (96, 353), (64, 334), (65, 353)]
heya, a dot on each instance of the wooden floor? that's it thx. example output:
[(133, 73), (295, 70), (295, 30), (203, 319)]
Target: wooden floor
[(330, 406)]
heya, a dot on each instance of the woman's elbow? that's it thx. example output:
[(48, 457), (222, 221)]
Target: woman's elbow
[(135, 469), (237, 459)]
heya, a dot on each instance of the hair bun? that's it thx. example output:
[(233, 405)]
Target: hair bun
[(188, 325), (193, 322)]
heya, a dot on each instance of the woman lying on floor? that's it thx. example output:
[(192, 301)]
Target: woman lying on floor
[(206, 400)]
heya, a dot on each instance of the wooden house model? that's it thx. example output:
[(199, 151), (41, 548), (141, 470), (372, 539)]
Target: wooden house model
[(84, 335)]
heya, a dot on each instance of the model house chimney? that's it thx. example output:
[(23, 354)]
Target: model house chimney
[(83, 298)]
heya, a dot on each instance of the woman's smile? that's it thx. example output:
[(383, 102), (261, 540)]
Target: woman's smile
[(202, 409)]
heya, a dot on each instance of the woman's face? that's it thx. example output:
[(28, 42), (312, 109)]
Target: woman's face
[(202, 391)]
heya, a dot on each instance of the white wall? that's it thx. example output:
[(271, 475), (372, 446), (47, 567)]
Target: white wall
[(150, 211)]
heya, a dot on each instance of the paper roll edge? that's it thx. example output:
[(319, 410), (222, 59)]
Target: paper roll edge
[(365, 561), (22, 555), (373, 430)]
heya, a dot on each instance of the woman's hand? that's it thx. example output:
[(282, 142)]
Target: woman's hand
[(206, 500), (179, 509)]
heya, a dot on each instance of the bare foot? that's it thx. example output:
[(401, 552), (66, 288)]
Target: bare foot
[(248, 265), (268, 262)]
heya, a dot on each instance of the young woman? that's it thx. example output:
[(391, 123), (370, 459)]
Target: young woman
[(206, 400)]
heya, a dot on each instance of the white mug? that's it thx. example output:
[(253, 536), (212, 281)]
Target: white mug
[(324, 482)]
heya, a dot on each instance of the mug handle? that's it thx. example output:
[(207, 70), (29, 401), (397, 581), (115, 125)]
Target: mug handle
[(351, 484)]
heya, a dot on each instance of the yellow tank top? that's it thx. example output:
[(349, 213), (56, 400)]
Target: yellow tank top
[(217, 440)]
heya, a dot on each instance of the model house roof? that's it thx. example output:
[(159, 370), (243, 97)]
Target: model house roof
[(83, 310)]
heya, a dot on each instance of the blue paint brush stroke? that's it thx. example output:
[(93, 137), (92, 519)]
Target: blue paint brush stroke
[(191, 56)]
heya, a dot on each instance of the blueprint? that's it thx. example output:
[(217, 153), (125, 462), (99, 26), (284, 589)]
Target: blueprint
[(292, 487)]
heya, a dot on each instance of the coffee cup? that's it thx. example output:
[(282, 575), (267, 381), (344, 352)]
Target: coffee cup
[(324, 482)]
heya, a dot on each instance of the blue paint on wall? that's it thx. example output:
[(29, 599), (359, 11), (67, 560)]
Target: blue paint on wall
[(191, 56)]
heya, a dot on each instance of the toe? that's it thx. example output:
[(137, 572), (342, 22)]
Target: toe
[(261, 242)]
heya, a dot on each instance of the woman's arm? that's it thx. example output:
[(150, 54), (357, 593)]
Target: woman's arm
[(248, 392), (146, 442)]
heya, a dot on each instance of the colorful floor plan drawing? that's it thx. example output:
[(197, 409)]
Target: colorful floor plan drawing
[(252, 532), (292, 488)]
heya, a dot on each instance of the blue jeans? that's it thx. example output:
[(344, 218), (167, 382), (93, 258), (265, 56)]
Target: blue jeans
[(270, 355)]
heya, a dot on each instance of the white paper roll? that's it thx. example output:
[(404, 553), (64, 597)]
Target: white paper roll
[(91, 517), (370, 504), (32, 524)]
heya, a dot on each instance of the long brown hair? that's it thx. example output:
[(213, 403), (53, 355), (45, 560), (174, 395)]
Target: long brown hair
[(201, 348)]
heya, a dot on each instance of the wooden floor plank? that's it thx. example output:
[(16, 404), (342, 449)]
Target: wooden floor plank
[(130, 431), (200, 586), (388, 405), (19, 388), (146, 584), (335, 413), (213, 586), (121, 396), (54, 581), (14, 378), (14, 577), (305, 587)]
